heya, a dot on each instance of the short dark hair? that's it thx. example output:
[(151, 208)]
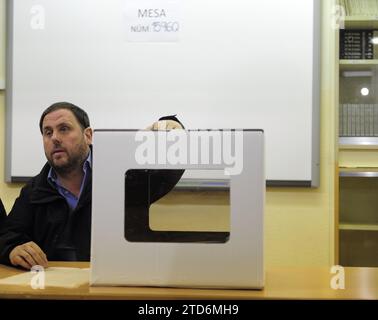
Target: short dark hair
[(80, 115)]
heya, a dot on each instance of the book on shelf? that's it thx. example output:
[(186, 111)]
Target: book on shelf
[(357, 44), (358, 120)]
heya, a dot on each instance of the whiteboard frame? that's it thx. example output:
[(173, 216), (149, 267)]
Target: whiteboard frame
[(315, 147)]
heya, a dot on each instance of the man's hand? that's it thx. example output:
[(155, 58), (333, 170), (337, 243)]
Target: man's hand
[(165, 125), (28, 255)]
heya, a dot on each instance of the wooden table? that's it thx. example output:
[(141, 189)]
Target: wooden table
[(280, 283)]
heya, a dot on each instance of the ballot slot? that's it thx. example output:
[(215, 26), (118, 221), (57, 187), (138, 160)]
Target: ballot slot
[(189, 214)]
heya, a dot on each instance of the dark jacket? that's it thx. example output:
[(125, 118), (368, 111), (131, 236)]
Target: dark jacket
[(2, 213), (40, 214)]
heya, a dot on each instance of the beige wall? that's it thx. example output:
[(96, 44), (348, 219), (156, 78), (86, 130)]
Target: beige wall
[(299, 222)]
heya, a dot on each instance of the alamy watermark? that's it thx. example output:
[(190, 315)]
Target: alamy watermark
[(37, 17), (338, 15), (37, 280), (338, 280), (180, 147)]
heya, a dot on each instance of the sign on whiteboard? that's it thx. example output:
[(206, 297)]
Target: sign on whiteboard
[(152, 21)]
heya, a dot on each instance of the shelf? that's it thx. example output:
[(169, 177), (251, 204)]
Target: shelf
[(360, 172), (361, 22), (358, 143), (361, 65), (358, 227)]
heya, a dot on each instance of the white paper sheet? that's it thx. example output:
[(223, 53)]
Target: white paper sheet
[(50, 277)]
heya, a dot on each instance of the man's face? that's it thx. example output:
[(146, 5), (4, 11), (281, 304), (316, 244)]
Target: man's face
[(66, 144)]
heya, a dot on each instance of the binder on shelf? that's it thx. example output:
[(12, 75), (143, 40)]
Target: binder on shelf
[(358, 120), (356, 44), (375, 120), (375, 44)]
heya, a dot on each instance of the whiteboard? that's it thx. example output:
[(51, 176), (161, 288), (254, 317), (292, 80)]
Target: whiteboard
[(248, 64)]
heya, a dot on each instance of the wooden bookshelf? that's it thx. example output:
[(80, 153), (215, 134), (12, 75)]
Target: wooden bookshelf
[(358, 156), (358, 227)]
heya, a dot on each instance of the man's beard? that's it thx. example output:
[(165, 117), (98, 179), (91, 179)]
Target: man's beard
[(73, 162), (71, 165)]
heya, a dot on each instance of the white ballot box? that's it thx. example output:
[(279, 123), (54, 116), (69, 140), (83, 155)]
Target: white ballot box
[(132, 169)]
